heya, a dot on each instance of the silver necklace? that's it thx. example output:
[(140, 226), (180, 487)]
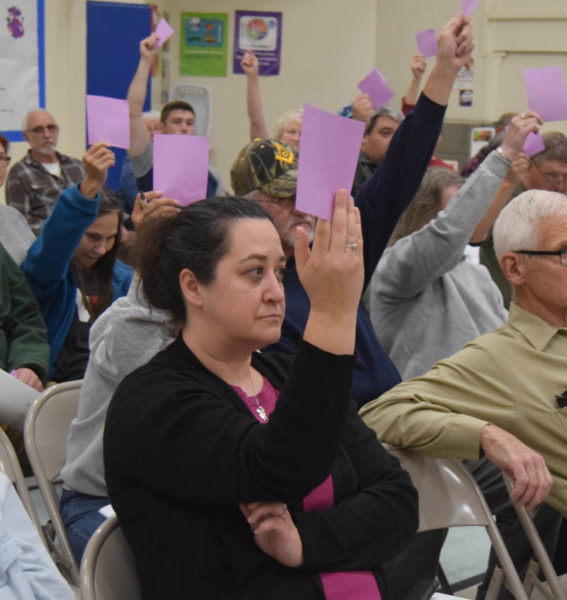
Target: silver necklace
[(260, 410)]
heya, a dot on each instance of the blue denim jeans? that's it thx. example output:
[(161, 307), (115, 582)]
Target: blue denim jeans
[(81, 517)]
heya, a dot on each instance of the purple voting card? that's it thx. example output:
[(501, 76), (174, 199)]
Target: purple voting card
[(427, 42), (329, 152), (181, 166), (547, 92), (469, 6), (533, 144), (164, 31), (374, 84), (108, 120)]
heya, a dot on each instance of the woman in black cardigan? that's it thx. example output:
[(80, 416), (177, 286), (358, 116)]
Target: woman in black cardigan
[(221, 492)]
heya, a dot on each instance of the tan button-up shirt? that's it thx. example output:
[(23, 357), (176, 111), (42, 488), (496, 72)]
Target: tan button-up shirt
[(510, 378)]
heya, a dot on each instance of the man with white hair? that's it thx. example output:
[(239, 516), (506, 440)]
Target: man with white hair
[(505, 394), (35, 182)]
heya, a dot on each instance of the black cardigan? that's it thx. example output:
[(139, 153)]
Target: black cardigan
[(181, 450)]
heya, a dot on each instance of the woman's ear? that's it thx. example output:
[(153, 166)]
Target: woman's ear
[(514, 267), (190, 287)]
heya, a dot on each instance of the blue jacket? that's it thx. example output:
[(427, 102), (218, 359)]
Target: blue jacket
[(47, 265), (381, 200)]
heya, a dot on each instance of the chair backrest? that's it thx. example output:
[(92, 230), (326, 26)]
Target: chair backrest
[(13, 470), (45, 436), (200, 98), (450, 497), (108, 568)]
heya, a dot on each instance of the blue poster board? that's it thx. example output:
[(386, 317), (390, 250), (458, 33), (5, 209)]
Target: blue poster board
[(114, 32)]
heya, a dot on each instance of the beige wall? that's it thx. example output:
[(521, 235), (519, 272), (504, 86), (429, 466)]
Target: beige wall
[(327, 49), (328, 46)]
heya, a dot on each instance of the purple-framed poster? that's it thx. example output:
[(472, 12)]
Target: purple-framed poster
[(260, 32)]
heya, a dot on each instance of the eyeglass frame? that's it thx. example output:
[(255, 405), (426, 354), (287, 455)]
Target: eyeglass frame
[(562, 253), (553, 177), (39, 129)]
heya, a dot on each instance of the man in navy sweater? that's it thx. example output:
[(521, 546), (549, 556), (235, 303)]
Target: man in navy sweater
[(266, 171), (381, 201)]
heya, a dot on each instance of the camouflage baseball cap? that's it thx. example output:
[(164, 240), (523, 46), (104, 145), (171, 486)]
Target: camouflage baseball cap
[(266, 165)]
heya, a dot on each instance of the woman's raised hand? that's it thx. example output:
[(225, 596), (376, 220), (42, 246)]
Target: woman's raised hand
[(332, 273)]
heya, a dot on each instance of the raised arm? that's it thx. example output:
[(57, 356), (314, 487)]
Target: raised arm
[(139, 134), (49, 257), (418, 65), (511, 149), (419, 259), (384, 197), (258, 128)]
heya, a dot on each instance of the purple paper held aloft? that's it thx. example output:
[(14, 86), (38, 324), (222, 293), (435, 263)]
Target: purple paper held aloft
[(108, 120), (533, 144), (547, 92), (164, 32), (427, 42), (374, 84), (469, 6), (181, 166), (330, 146)]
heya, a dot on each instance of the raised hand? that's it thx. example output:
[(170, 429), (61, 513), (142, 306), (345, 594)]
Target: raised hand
[(96, 160), (520, 127), (249, 63), (362, 108), (455, 43), (332, 273), (149, 46), (274, 531), (418, 64), (154, 205)]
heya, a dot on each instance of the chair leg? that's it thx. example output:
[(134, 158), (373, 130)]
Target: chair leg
[(445, 585)]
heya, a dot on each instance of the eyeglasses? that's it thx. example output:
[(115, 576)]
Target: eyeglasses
[(40, 128), (554, 178), (561, 253), (5, 159)]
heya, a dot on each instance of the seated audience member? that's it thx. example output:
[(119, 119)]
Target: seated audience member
[(499, 130), (288, 126), (15, 233), (27, 569), (546, 170), (71, 266), (35, 182), (265, 173), (377, 136), (426, 302), (128, 185), (177, 117), (23, 337), (123, 338), (275, 461), (502, 396)]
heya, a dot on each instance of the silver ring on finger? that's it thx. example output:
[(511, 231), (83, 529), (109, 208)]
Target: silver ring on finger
[(353, 247)]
